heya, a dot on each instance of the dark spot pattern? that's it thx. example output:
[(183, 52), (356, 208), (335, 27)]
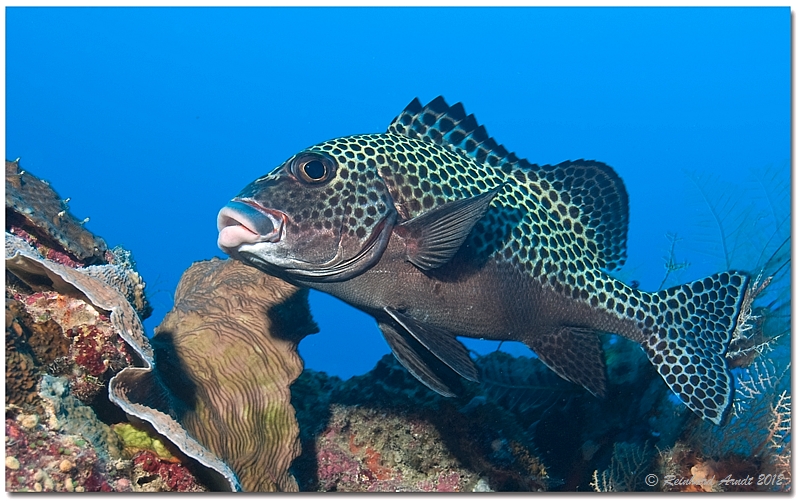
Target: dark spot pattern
[(560, 224), (355, 191), (684, 345)]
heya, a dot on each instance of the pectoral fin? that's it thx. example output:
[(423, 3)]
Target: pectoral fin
[(575, 354), (410, 359), (440, 342), (433, 238)]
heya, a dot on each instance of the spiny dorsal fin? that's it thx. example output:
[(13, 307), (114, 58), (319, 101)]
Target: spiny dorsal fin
[(451, 127), (585, 192)]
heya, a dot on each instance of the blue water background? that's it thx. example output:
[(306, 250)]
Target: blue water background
[(151, 119)]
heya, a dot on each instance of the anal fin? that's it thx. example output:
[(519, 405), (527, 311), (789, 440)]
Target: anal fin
[(410, 359), (442, 343), (575, 354)]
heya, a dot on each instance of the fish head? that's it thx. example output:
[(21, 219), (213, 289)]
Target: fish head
[(323, 215)]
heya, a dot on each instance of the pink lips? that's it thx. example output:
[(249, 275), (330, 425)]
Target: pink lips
[(245, 222)]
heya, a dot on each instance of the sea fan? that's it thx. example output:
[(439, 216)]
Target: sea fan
[(524, 386), (740, 226), (744, 227), (627, 472), (757, 238)]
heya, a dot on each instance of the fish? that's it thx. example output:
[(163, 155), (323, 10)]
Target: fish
[(438, 231)]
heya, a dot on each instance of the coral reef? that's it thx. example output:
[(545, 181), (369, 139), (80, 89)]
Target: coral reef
[(37, 215), (39, 459), (153, 474), (209, 404), (74, 330), (89, 315), (33, 205), (65, 336), (385, 432), (40, 274), (54, 441), (224, 359), (365, 449), (70, 327)]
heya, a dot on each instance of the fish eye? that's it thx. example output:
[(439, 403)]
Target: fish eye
[(314, 170), (313, 167)]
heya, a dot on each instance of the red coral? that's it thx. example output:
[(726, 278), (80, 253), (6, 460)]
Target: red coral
[(24, 235), (448, 482), (175, 475), (148, 461), (373, 462), (46, 252), (58, 257), (88, 352), (96, 483), (353, 447), (15, 434), (335, 467), (33, 298)]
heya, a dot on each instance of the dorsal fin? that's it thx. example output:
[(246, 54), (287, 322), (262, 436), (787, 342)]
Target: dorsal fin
[(584, 192), (448, 126), (601, 200)]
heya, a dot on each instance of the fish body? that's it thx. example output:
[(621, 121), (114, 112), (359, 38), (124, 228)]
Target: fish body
[(437, 231)]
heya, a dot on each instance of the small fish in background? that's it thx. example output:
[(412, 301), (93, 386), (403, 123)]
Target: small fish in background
[(437, 231)]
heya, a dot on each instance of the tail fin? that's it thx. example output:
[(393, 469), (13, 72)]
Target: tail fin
[(693, 326)]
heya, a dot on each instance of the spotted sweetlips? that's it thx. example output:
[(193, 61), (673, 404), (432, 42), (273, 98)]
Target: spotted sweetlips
[(437, 231)]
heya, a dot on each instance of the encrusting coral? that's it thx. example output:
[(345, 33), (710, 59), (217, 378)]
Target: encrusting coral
[(32, 204), (224, 359), (383, 431)]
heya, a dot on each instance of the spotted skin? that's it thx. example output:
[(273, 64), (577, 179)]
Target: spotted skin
[(354, 197), (532, 269)]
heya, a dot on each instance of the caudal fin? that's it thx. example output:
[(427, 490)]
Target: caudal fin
[(693, 326)]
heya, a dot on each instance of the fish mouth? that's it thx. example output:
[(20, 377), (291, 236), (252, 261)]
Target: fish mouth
[(247, 222)]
